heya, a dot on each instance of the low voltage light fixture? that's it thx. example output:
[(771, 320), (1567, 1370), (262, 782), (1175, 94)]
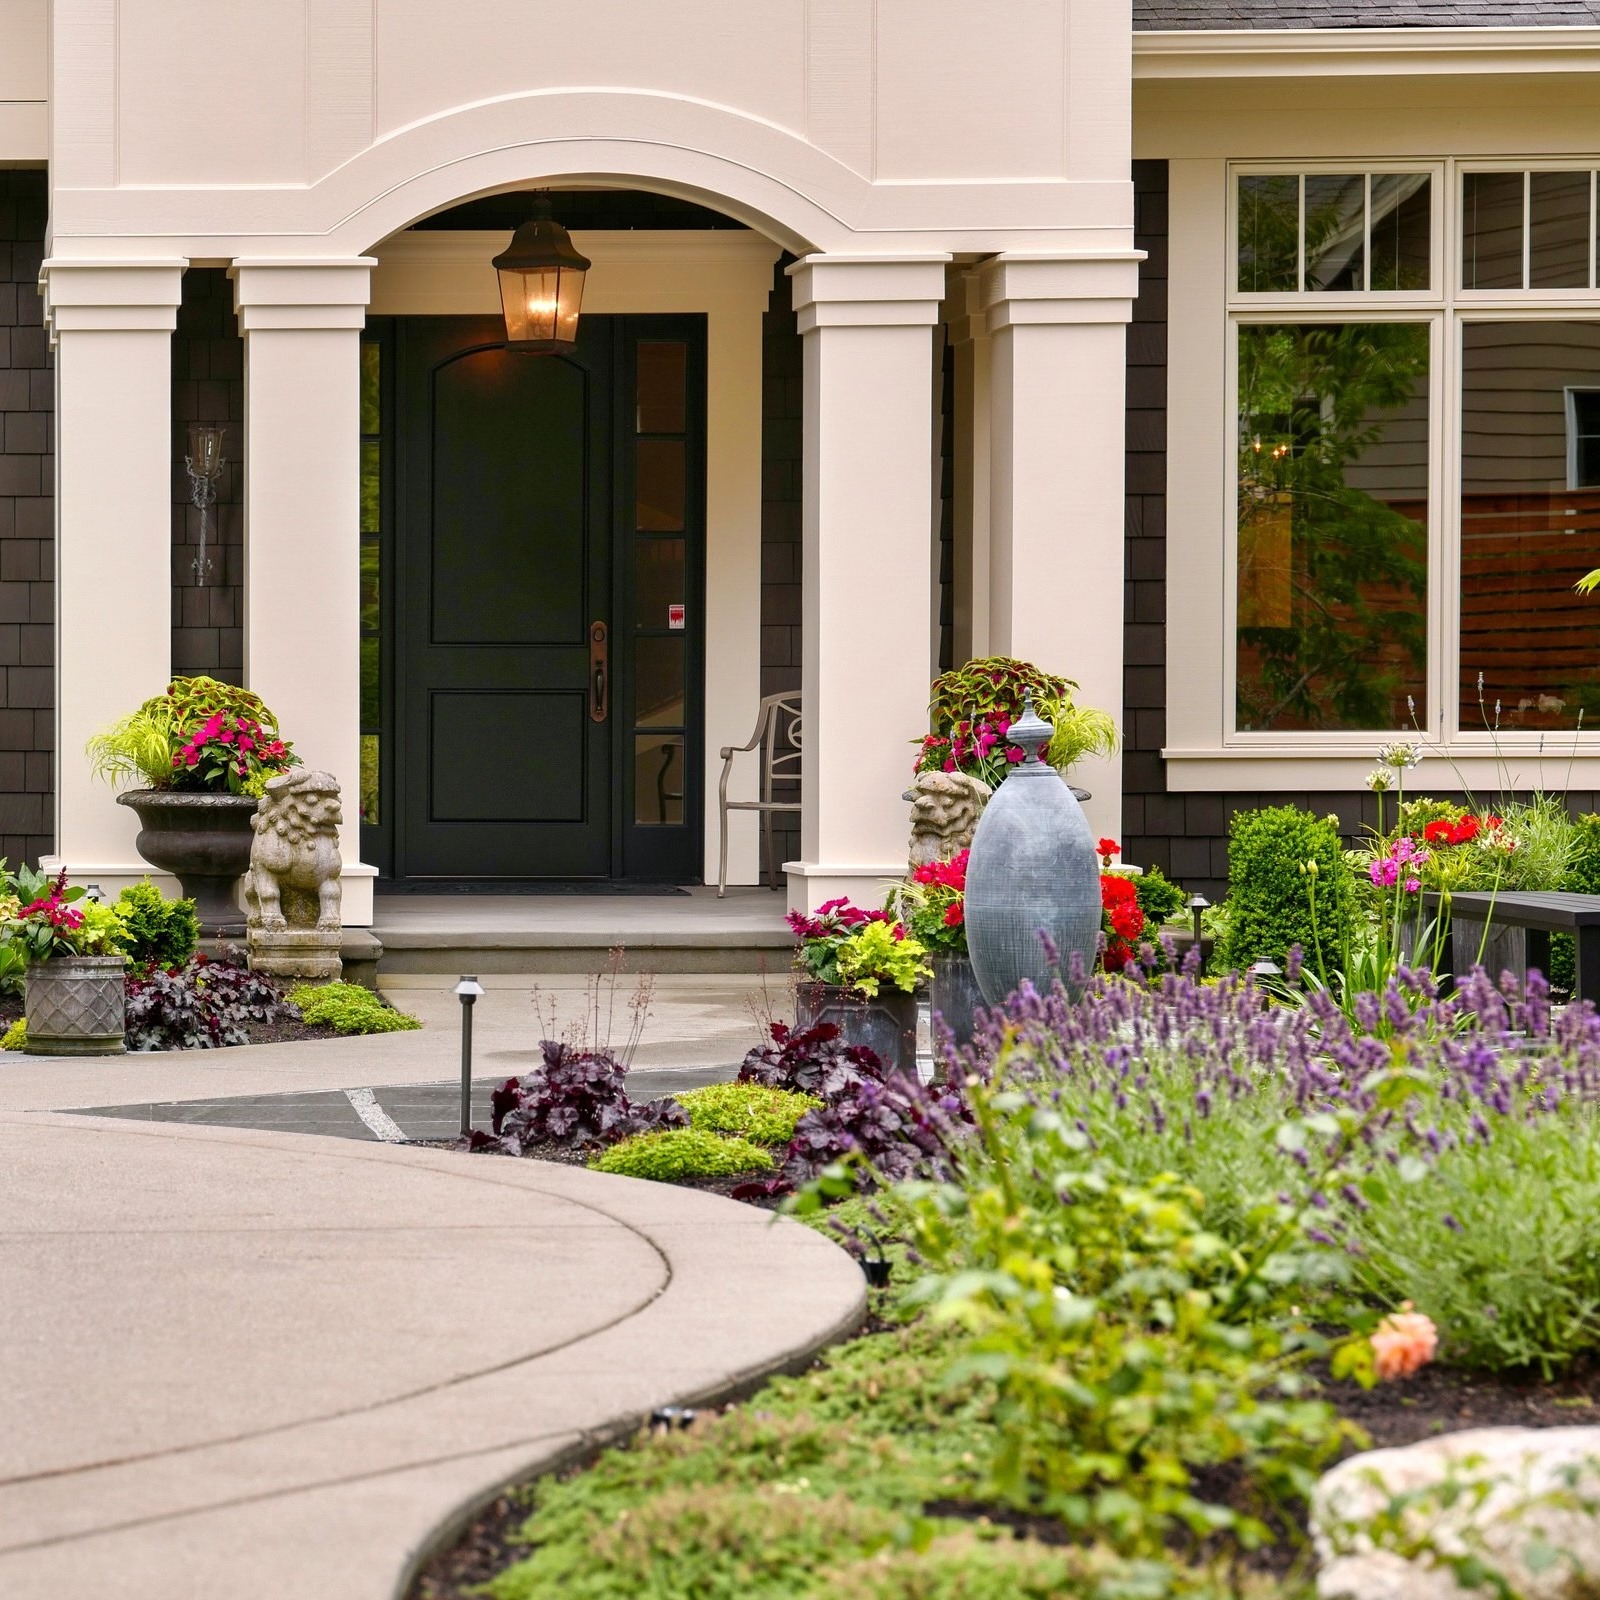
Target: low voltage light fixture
[(467, 990), (541, 285)]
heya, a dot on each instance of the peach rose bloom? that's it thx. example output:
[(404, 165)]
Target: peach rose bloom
[(1403, 1343)]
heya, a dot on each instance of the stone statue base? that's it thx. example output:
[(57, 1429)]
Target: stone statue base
[(303, 953)]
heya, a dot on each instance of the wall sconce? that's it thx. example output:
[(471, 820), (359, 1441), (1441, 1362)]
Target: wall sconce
[(541, 285), (204, 464)]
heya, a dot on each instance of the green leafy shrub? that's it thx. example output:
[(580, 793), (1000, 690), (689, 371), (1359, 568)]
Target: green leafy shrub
[(348, 1008), (677, 1153), (1159, 897), (157, 932), (16, 1036), (1128, 1342), (750, 1110), (1582, 877), (1269, 898)]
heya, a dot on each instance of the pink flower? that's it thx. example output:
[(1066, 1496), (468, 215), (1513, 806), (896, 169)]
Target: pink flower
[(1403, 1343), (1412, 885)]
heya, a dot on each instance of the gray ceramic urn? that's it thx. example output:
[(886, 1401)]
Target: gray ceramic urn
[(1032, 868)]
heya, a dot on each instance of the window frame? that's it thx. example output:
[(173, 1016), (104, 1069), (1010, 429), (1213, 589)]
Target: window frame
[(1447, 309)]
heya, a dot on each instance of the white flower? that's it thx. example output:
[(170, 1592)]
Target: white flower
[(1379, 781), (1400, 755)]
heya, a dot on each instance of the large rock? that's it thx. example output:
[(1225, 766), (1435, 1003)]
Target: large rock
[(1522, 1508)]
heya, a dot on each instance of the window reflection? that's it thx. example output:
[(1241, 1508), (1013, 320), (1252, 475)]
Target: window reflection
[(1332, 525), (1530, 523)]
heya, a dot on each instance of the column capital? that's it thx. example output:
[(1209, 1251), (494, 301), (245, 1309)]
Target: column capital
[(847, 291), (1020, 288), (301, 293), (112, 296)]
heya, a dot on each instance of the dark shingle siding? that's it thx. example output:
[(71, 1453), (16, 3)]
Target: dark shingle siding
[(1191, 15)]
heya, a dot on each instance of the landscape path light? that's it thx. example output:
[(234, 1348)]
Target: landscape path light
[(467, 991), (1198, 905)]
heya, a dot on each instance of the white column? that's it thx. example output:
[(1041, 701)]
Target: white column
[(1058, 376), (302, 322), (866, 328), (112, 325)]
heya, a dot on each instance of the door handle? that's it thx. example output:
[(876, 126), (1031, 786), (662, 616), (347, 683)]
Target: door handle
[(598, 661)]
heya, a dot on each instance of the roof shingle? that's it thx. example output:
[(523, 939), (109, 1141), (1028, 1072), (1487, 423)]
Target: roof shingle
[(1193, 15)]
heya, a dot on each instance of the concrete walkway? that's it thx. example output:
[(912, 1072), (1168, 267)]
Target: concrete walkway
[(260, 1364), (696, 1020)]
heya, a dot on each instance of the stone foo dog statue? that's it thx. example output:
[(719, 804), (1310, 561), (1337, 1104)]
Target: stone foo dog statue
[(291, 892), (945, 807)]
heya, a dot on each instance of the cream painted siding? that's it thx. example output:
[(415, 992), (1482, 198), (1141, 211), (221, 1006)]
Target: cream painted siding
[(727, 51), (24, 79)]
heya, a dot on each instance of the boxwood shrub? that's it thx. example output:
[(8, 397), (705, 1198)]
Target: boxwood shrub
[(678, 1153), (750, 1110), (1269, 891)]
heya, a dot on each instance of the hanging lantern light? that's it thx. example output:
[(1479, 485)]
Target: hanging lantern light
[(541, 285)]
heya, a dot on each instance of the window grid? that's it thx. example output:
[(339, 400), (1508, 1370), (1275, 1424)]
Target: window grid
[(1450, 308)]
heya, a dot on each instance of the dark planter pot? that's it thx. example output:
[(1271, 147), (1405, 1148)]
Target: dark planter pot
[(75, 1006), (204, 841), (887, 1026), (954, 995)]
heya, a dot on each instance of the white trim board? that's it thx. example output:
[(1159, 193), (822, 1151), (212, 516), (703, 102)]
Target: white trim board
[(1361, 52)]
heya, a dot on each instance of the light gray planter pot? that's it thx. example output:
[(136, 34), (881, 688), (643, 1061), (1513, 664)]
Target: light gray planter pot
[(954, 995), (1032, 870), (887, 1025), (75, 1006)]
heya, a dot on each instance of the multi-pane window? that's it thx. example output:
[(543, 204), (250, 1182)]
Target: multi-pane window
[(371, 573), (1334, 231), (1527, 230), (1417, 482)]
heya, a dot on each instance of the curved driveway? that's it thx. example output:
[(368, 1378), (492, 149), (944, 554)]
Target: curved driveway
[(261, 1365)]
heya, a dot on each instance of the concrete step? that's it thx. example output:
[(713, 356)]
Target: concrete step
[(689, 932)]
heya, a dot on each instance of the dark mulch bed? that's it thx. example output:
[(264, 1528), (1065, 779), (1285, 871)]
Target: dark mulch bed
[(283, 1032)]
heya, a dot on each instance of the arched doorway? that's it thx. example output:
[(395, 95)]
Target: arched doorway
[(537, 706)]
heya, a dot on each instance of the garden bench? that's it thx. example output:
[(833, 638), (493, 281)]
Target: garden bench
[(1535, 916)]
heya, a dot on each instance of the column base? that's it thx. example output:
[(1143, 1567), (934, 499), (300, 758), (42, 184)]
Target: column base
[(866, 884), (355, 883)]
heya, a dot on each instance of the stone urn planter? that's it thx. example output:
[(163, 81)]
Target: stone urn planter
[(886, 1025), (75, 1006), (954, 994), (204, 841)]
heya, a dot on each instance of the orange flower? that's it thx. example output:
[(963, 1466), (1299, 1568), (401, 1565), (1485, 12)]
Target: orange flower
[(1403, 1343)]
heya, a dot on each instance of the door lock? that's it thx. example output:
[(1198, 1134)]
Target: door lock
[(599, 687)]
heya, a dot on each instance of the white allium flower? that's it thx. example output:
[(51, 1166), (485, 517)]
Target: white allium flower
[(1400, 755)]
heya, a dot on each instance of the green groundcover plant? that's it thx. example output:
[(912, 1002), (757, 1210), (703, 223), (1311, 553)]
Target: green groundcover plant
[(349, 1008), (750, 1110), (673, 1154)]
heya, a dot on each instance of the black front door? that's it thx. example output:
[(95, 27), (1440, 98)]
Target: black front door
[(545, 716)]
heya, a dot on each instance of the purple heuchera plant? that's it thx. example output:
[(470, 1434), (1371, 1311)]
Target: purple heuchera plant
[(899, 1128), (576, 1098), (813, 1061)]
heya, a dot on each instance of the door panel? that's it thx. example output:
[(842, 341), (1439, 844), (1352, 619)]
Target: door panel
[(548, 603), (505, 562)]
